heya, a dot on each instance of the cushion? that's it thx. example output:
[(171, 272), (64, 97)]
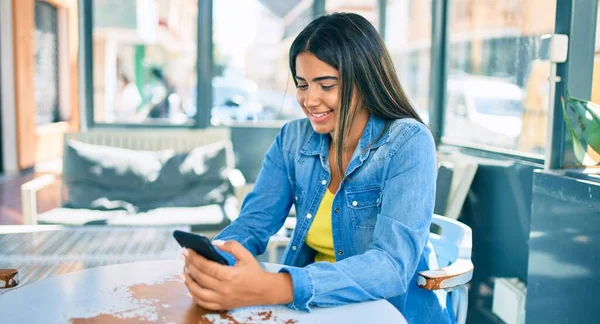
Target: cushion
[(110, 178)]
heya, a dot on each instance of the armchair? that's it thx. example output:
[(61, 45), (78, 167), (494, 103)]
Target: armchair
[(157, 177)]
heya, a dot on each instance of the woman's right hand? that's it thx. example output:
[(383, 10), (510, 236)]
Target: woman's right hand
[(219, 287)]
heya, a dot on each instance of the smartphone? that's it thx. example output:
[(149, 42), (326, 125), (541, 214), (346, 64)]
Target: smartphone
[(200, 244)]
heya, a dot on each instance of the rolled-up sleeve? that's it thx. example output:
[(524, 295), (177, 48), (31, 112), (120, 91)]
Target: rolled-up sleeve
[(304, 288)]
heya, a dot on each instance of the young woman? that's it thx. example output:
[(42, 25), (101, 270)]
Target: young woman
[(361, 171)]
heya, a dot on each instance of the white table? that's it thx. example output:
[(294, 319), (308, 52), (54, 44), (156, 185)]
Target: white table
[(153, 291)]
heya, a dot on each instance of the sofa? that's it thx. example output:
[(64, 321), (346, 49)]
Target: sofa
[(143, 178)]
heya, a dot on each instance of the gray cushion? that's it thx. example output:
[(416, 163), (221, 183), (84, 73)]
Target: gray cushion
[(110, 178)]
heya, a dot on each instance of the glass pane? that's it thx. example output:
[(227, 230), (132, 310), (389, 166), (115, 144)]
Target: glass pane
[(46, 63), (251, 80), (408, 38), (366, 8), (497, 90), (145, 57)]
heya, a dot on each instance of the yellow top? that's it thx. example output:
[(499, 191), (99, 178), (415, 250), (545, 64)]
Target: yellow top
[(320, 237)]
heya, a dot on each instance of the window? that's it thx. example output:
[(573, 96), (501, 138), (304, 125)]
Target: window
[(408, 39), (251, 81), (366, 8), (145, 54), (46, 91), (497, 89)]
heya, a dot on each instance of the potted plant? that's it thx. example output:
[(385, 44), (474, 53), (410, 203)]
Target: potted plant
[(582, 119)]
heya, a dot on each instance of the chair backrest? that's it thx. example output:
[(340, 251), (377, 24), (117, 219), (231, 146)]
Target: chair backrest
[(442, 188), (463, 172), (453, 243), (179, 140)]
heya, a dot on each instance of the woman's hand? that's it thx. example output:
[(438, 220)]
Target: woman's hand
[(218, 287)]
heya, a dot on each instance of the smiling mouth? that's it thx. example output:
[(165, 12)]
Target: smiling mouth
[(319, 115)]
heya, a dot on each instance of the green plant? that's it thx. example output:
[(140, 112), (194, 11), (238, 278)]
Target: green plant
[(582, 118)]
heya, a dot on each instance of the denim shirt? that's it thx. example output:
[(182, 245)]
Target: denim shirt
[(381, 216)]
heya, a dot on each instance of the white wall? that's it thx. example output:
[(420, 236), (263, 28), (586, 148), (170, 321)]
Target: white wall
[(7, 82)]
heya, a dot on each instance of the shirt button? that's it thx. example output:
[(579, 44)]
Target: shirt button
[(337, 210), (294, 248), (355, 203), (309, 216), (324, 182), (296, 198), (340, 252)]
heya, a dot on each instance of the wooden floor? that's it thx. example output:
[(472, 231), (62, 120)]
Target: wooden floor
[(10, 197)]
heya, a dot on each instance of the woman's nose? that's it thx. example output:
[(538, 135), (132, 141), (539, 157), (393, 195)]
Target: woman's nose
[(311, 99)]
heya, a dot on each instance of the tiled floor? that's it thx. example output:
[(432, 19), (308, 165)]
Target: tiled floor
[(10, 197)]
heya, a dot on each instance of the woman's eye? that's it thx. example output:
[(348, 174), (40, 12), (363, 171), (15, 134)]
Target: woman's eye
[(328, 87), (302, 86)]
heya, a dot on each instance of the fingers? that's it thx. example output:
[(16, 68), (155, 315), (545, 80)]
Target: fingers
[(209, 306), (210, 268), (202, 278), (239, 252), (202, 296)]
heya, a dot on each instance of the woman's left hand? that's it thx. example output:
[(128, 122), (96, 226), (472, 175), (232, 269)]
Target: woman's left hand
[(218, 287)]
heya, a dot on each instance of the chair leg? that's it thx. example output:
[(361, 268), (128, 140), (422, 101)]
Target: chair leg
[(454, 297), (463, 304)]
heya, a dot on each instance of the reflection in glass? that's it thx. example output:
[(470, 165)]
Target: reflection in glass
[(408, 39), (497, 90), (251, 80), (145, 61)]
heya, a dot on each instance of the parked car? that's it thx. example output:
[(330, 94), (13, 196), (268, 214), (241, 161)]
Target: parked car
[(484, 110), (234, 100)]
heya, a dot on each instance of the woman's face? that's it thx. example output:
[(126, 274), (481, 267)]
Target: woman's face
[(318, 92)]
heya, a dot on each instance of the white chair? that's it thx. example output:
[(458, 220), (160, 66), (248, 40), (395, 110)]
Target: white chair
[(453, 250)]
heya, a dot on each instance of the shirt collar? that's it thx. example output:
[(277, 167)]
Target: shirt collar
[(318, 143)]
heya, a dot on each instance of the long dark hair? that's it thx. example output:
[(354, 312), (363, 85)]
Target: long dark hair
[(349, 43)]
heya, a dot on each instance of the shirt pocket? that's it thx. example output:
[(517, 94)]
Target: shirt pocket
[(363, 205), (298, 198)]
